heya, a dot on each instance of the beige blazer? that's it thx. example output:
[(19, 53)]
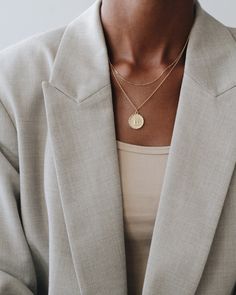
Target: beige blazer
[(61, 222)]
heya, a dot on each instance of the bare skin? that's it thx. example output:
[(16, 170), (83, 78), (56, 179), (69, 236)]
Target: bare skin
[(143, 37)]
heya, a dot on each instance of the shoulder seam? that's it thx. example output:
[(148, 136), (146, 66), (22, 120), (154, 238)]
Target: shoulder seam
[(8, 115)]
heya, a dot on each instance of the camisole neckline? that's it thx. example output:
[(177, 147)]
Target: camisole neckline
[(142, 149)]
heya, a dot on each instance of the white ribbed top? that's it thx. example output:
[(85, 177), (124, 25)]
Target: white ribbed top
[(142, 171)]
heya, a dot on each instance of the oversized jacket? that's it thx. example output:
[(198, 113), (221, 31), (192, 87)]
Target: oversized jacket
[(61, 218)]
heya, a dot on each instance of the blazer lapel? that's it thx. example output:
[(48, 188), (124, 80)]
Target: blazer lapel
[(80, 119), (200, 164), (199, 168), (84, 148), (81, 127)]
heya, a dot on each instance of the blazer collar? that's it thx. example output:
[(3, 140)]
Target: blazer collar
[(82, 51), (80, 118), (210, 58)]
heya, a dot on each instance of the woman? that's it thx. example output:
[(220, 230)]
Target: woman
[(90, 113)]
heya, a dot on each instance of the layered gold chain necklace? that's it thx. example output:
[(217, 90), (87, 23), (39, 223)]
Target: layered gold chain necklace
[(136, 120)]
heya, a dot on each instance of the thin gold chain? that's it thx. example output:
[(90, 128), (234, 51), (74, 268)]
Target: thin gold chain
[(153, 81), (155, 90), (142, 84)]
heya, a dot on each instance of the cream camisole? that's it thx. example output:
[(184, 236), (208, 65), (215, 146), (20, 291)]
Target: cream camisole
[(142, 171)]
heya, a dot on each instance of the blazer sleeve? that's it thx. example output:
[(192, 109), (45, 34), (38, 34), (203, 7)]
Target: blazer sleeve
[(17, 274)]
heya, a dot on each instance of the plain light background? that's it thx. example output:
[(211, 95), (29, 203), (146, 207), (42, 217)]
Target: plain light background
[(24, 18)]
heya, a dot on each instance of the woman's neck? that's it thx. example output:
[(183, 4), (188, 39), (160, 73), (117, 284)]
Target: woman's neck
[(138, 31)]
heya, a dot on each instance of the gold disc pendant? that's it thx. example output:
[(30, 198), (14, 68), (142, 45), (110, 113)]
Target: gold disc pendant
[(136, 121)]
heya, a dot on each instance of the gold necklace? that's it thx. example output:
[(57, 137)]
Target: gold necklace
[(150, 82), (136, 120), (142, 84)]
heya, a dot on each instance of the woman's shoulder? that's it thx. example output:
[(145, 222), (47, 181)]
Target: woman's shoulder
[(23, 67), (38, 50)]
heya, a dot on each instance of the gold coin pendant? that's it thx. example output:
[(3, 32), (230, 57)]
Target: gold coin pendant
[(136, 121)]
